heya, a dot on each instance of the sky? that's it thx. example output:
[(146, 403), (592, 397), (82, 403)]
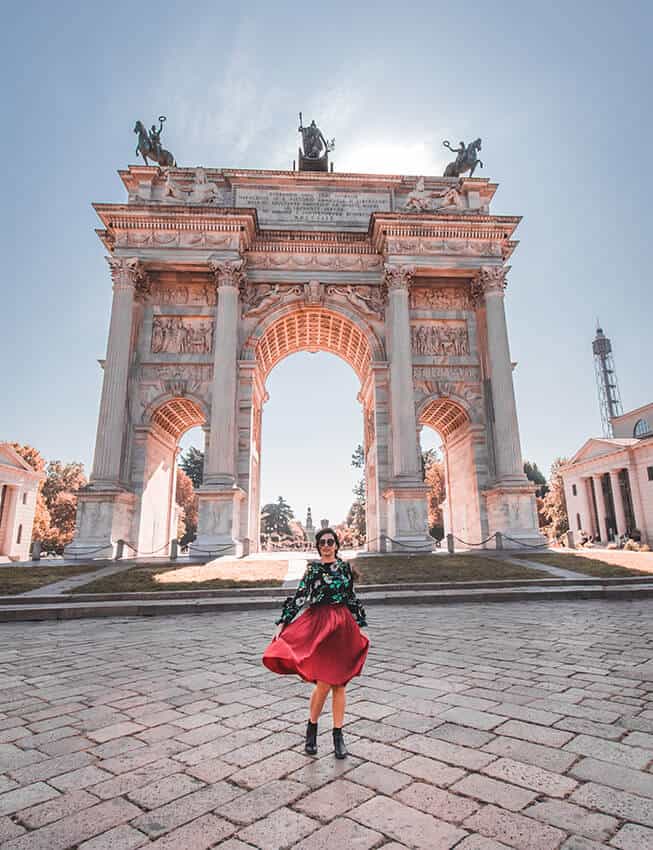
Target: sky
[(558, 91)]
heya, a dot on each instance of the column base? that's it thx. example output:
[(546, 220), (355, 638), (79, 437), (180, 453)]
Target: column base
[(408, 525), (104, 516), (513, 512), (218, 523)]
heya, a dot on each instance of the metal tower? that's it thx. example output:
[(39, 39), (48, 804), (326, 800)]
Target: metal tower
[(606, 381)]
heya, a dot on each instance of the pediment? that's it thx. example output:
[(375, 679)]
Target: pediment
[(596, 447), (10, 457)]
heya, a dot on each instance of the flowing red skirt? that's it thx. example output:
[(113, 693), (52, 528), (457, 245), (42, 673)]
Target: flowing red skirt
[(324, 644)]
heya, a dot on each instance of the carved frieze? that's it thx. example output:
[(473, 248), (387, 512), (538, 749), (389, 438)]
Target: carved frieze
[(177, 239), (367, 300), (440, 298), (442, 339), (193, 372), (446, 373), (326, 262), (259, 299), (184, 294), (177, 335), (470, 247)]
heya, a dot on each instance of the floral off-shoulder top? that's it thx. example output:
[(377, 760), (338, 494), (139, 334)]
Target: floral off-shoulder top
[(324, 584)]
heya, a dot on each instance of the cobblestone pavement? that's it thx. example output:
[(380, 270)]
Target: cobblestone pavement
[(524, 725)]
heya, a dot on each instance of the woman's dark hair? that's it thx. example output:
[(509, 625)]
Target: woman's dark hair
[(320, 534)]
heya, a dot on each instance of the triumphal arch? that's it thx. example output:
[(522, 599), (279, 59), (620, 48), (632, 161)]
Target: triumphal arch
[(218, 274)]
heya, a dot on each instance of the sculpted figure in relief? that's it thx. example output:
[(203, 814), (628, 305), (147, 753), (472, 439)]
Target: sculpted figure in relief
[(441, 339), (443, 298), (366, 299), (173, 335)]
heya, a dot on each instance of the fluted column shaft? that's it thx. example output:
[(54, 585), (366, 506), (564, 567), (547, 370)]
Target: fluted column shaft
[(402, 405), (509, 464), (221, 460), (600, 507), (619, 513), (128, 277)]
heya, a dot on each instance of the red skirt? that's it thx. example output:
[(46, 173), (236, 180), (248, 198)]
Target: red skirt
[(324, 644)]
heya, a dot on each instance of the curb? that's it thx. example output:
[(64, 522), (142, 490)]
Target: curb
[(17, 609)]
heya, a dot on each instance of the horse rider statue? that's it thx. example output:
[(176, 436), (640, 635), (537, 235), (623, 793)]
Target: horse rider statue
[(466, 159), (149, 144)]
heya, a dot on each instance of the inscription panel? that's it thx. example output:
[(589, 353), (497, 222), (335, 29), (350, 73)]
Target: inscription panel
[(328, 209)]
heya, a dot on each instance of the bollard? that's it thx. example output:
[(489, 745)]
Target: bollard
[(36, 550), (570, 540), (174, 550), (498, 540), (120, 548), (450, 548), (246, 545), (383, 545)]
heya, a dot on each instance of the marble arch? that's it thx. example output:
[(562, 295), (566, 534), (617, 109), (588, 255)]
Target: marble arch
[(211, 288)]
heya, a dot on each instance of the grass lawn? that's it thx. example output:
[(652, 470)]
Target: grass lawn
[(581, 564), (15, 580), (386, 569)]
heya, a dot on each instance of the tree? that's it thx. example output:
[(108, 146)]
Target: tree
[(356, 516), (192, 463), (437, 494), (62, 478), (554, 503), (186, 498), (536, 477), (276, 516), (31, 455)]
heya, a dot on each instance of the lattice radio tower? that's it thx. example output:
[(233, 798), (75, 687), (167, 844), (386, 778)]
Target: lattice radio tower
[(606, 380)]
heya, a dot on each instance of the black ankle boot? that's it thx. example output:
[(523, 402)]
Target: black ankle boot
[(339, 744), (311, 738)]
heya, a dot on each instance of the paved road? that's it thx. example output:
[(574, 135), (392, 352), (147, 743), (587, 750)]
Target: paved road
[(524, 725)]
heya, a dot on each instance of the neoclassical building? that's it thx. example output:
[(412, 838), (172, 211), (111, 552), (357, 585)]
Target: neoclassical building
[(19, 484), (219, 274), (609, 481)]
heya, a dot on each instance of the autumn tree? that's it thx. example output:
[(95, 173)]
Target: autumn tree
[(434, 478), (554, 506), (31, 455), (62, 478), (186, 498), (192, 463)]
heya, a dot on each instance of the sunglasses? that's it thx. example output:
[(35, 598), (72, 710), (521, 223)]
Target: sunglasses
[(327, 541)]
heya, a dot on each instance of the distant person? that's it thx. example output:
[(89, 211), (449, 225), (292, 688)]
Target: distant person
[(324, 645)]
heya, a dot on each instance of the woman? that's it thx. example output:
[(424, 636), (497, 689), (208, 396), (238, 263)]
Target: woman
[(324, 645)]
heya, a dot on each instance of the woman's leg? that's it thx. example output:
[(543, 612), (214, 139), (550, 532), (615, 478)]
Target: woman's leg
[(338, 705), (318, 698)]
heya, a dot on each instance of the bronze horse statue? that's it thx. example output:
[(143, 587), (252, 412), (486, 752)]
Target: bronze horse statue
[(150, 146), (466, 159)]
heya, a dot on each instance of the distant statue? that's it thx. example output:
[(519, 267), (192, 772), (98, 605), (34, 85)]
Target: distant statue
[(149, 144), (419, 199), (466, 159), (313, 142)]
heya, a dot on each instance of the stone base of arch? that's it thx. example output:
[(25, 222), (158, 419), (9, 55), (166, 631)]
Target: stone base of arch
[(104, 516), (513, 512), (218, 523), (408, 527)]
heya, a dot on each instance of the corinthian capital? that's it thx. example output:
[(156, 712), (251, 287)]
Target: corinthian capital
[(398, 277), (128, 273), (228, 273), (490, 279)]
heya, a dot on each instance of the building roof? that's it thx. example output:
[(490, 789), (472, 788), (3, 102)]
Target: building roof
[(597, 446), (9, 458)]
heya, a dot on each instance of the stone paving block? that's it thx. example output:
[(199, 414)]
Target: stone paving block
[(320, 771), (533, 733), (341, 833), (283, 828), (577, 842), (494, 791), (273, 767), (333, 799), (376, 752), (528, 713), (76, 828), (430, 770), (120, 838), (547, 758), (441, 804), (406, 825), (370, 710), (23, 798), (623, 778), (125, 782), (248, 718), (200, 834), (410, 721), (116, 730), (184, 809), (57, 808), (478, 842), (211, 771), (379, 778), (222, 745), (633, 837), (7, 784), (483, 720), (118, 747), (376, 731), (444, 751), (571, 710), (253, 805), (514, 829), (463, 735), (143, 755), (84, 777), (574, 819), (638, 739), (233, 844), (622, 804), (12, 758), (259, 750), (164, 790), (610, 751), (530, 776), (74, 744)]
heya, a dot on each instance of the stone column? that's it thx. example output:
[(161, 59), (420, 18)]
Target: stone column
[(221, 459), (617, 498), (128, 281), (405, 451), (491, 283), (600, 507)]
